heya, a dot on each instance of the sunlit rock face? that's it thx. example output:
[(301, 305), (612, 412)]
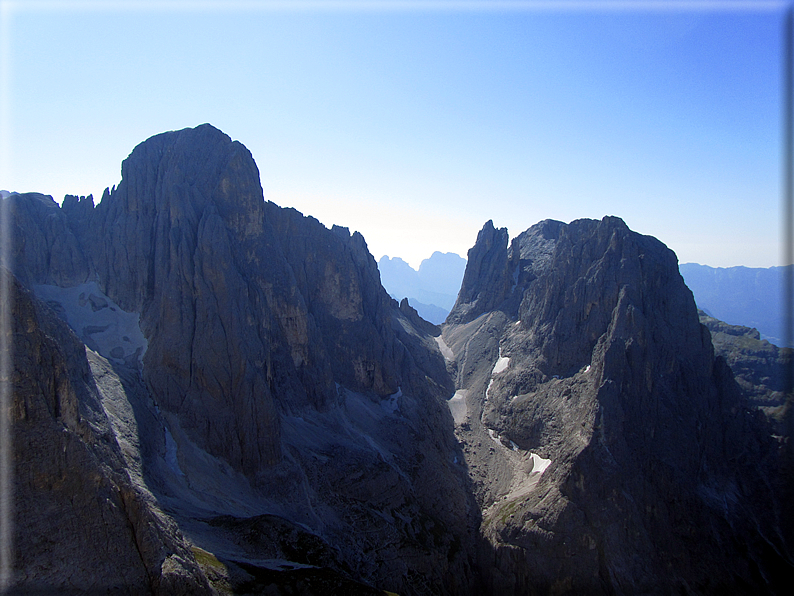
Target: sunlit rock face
[(595, 359)]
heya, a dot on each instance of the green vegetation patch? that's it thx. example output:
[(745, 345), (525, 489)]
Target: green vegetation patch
[(206, 559)]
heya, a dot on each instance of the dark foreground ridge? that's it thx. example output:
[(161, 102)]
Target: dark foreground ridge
[(213, 394)]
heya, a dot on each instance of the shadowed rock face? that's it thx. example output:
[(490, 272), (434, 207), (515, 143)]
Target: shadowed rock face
[(249, 309), (181, 241), (759, 366), (656, 460), (276, 375), (43, 241), (486, 280), (81, 523)]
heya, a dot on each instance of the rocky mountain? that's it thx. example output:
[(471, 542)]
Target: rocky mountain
[(611, 451), (741, 296), (432, 289), (213, 394), (263, 376)]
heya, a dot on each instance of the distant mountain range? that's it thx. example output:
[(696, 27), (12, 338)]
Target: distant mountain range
[(752, 297), (432, 290)]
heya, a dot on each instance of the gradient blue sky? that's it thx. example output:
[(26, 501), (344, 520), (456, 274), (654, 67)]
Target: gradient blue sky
[(416, 122)]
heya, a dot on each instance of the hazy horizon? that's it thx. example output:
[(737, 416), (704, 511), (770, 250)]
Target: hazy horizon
[(416, 122)]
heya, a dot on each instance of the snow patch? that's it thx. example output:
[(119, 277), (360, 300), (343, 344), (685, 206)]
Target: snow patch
[(587, 369), (446, 351), (498, 439), (457, 406), (98, 321), (539, 464), (500, 365)]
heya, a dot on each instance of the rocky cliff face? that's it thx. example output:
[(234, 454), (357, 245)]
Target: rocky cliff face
[(486, 281), (628, 450), (268, 371), (82, 523), (760, 367)]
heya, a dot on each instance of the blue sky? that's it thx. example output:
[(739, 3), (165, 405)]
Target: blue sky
[(416, 122)]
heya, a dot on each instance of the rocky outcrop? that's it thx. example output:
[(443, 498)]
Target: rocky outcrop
[(628, 448), (417, 321), (43, 247), (486, 281), (241, 403), (495, 271), (81, 524), (759, 367), (180, 241)]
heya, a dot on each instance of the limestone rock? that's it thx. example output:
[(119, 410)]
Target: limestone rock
[(44, 249), (275, 422), (654, 460), (760, 368), (418, 322), (81, 525), (486, 281), (273, 369)]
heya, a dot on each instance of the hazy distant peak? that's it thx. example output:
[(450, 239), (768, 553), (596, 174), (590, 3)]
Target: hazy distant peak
[(740, 296), (433, 288), (447, 258), (387, 259)]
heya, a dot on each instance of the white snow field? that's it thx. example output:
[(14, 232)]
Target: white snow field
[(445, 349), (539, 464), (457, 406), (501, 364), (98, 321), (391, 404)]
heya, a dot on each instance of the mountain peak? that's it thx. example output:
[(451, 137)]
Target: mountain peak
[(486, 281)]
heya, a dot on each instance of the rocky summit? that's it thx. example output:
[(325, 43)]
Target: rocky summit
[(621, 456), (213, 394)]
